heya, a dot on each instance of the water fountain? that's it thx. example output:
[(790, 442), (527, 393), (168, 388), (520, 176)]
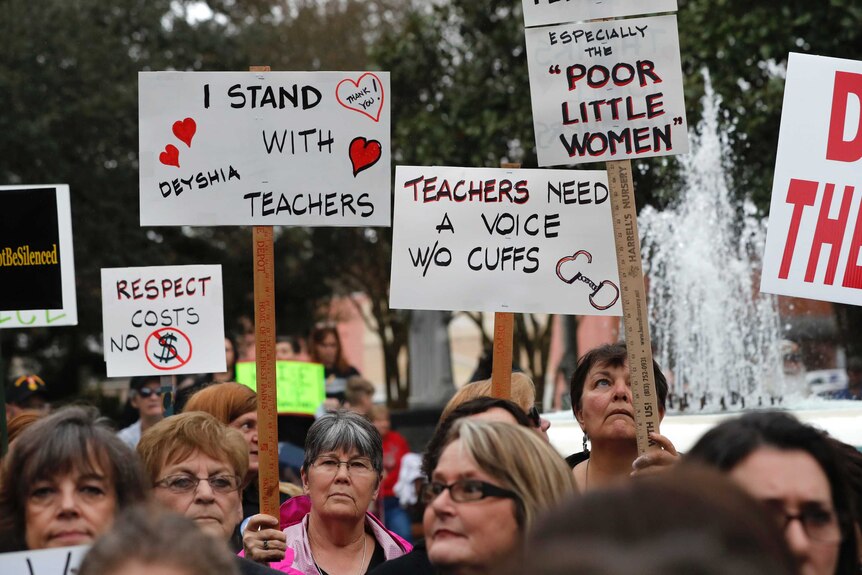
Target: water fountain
[(715, 335)]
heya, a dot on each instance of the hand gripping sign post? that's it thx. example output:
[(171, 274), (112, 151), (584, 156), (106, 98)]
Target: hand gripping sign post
[(503, 240), (265, 148), (814, 238), (612, 91)]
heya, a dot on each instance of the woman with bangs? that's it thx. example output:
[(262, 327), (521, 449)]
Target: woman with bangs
[(64, 480)]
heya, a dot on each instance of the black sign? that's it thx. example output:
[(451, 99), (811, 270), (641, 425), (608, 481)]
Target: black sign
[(29, 250)]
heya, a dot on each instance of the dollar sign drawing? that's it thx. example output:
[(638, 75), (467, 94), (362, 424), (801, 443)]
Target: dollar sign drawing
[(168, 352)]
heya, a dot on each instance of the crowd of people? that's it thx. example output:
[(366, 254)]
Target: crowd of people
[(760, 493)]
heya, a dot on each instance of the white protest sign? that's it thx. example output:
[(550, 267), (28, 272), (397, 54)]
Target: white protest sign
[(815, 229), (484, 239), (542, 12), (273, 148), (57, 561), (163, 320), (607, 91), (61, 225)]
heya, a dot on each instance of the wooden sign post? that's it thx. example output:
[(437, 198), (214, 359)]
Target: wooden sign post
[(633, 295), (264, 337)]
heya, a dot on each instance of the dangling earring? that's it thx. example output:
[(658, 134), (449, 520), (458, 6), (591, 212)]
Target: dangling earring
[(586, 449)]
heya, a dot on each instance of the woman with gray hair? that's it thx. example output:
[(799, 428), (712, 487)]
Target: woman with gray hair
[(64, 480), (329, 529)]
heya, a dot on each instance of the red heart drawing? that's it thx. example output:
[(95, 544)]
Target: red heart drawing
[(365, 95), (364, 154), (171, 156), (185, 130)]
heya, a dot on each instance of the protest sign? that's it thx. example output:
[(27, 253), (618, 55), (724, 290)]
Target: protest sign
[(815, 229), (57, 561), (163, 320), (499, 240), (274, 148), (543, 12), (37, 266), (607, 91), (300, 385)]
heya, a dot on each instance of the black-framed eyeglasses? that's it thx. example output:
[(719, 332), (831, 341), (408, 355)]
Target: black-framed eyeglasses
[(184, 483), (819, 524), (146, 392), (465, 490), (535, 418)]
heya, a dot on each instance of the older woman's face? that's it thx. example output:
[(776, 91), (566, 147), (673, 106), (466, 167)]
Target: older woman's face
[(469, 536), (606, 410), (247, 425), (216, 512), (790, 483), (70, 509), (341, 484)]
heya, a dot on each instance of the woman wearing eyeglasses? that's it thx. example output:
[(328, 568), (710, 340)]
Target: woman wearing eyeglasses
[(63, 482), (795, 471), (491, 482), (329, 530), (196, 466)]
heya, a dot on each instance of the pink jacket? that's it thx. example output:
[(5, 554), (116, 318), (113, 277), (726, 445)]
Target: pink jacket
[(293, 520)]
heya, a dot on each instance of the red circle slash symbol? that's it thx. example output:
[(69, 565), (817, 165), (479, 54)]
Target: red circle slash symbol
[(165, 351)]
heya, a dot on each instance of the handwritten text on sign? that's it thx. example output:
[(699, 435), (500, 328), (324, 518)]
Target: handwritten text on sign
[(542, 12), (163, 320), (274, 148), (55, 561), (68, 314), (300, 386), (606, 91), (814, 238), (482, 239)]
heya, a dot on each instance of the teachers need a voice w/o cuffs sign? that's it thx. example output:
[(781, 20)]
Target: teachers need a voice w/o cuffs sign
[(163, 320), (273, 148), (37, 268)]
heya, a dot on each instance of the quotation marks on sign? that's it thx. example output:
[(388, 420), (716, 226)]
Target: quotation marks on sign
[(167, 349), (554, 69), (363, 154), (364, 95), (570, 270), (184, 130)]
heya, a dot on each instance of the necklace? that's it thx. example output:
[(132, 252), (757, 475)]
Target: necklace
[(361, 563)]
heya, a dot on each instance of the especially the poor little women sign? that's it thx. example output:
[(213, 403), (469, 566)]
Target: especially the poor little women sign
[(483, 239), (542, 12), (815, 229), (163, 320), (606, 90), (37, 269), (273, 148)]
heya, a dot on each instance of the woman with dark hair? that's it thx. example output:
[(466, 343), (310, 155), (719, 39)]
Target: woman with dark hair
[(602, 403), (689, 520), (325, 348), (796, 472), (64, 480), (329, 530)]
